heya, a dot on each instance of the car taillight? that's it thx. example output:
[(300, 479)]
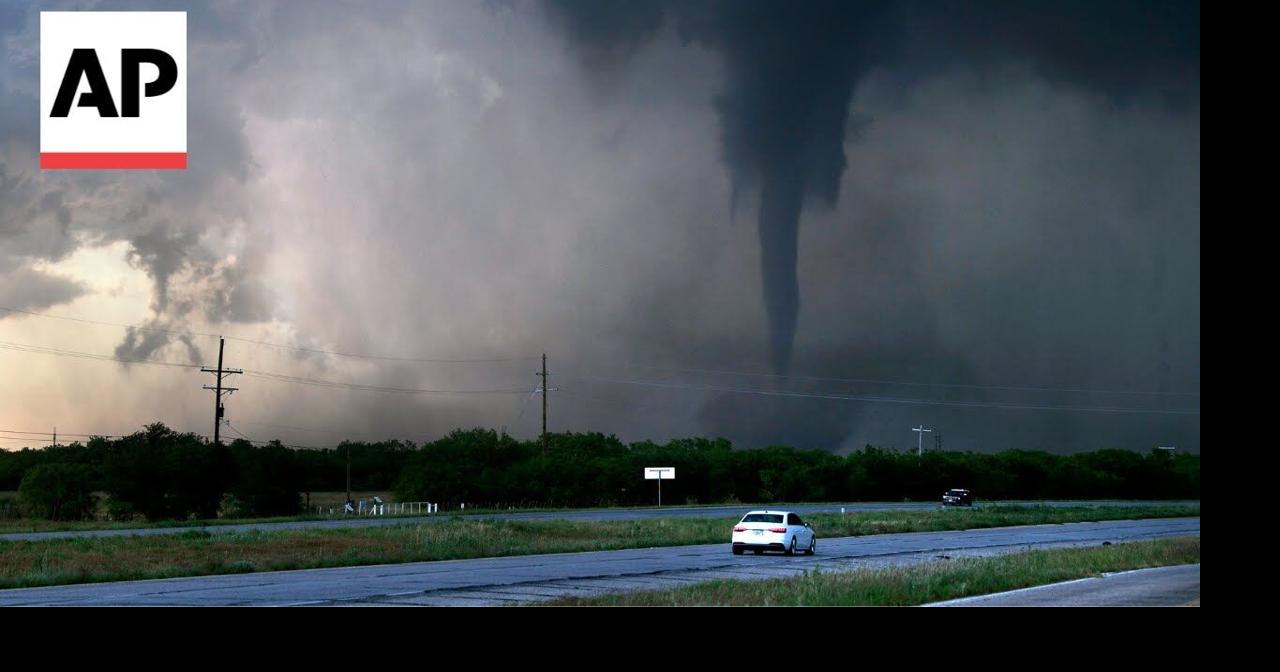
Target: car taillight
[(778, 529), (739, 529)]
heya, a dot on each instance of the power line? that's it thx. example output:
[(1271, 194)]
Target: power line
[(50, 434), (263, 375), (336, 384), (314, 429), (135, 327), (871, 398), (241, 434), (285, 346), (321, 351), (318, 382), (311, 429), (123, 436), (267, 443), (424, 360), (44, 350), (525, 404), (1013, 388)]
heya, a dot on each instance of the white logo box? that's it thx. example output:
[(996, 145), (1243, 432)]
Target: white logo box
[(83, 139)]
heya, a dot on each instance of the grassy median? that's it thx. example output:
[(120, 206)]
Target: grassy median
[(198, 552), (919, 584), (28, 525)]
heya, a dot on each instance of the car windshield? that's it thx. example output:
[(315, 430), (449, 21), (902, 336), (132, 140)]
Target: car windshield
[(763, 518)]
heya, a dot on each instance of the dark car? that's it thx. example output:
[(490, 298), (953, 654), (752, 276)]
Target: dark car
[(957, 497)]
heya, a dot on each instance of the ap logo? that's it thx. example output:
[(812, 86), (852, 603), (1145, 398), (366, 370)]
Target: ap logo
[(113, 90)]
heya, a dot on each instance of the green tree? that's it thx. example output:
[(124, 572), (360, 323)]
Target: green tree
[(160, 474), (58, 492), (268, 481)]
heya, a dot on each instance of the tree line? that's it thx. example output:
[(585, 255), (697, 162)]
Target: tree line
[(160, 474)]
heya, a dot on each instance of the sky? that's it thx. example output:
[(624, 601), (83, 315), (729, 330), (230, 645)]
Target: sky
[(818, 224)]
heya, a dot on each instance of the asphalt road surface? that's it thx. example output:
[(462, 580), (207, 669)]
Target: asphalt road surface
[(575, 514), (1157, 587), (528, 579)]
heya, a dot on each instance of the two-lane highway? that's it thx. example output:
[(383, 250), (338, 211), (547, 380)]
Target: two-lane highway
[(569, 514), (526, 579)]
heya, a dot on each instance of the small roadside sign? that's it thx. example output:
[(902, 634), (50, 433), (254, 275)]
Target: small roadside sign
[(659, 474)]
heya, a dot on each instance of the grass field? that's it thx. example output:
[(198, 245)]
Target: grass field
[(326, 500), (322, 499), (196, 552), (919, 584)]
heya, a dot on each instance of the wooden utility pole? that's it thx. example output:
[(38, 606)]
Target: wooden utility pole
[(545, 388), (217, 397), (219, 390)]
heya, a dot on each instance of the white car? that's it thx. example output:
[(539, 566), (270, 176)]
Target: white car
[(762, 531)]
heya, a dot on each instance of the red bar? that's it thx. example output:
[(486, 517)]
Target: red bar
[(113, 160)]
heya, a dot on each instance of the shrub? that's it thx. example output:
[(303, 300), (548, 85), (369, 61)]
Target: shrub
[(58, 492)]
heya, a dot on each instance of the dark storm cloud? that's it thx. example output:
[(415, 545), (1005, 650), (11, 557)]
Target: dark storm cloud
[(36, 221), (783, 108), (239, 295), (790, 71), (1119, 48), (30, 289), (142, 343), (161, 252), (147, 340), (442, 180)]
